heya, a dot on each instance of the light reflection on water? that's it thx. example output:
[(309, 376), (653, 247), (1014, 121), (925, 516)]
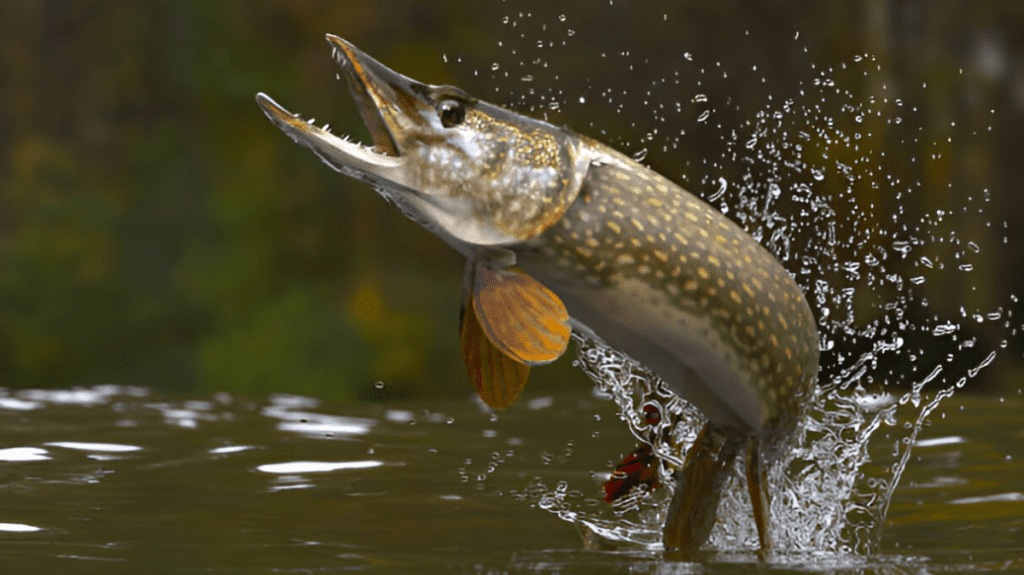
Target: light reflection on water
[(316, 466), (435, 486)]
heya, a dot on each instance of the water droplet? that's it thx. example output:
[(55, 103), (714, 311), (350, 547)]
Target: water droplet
[(561, 17), (379, 385), (723, 185), (494, 66), (639, 156), (901, 246)]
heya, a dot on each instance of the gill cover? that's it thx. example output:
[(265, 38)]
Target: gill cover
[(464, 169)]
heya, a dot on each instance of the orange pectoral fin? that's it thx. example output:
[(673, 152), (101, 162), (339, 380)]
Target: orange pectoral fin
[(498, 378), (520, 316)]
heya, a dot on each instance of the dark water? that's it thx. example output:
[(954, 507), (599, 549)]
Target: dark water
[(115, 479)]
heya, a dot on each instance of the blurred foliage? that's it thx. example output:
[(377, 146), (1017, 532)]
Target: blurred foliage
[(156, 230)]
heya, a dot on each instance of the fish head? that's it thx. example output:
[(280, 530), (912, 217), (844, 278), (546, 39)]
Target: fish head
[(472, 173)]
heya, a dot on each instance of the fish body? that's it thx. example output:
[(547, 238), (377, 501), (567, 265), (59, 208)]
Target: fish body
[(562, 232), (662, 276)]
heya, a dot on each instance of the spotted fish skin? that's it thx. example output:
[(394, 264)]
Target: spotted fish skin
[(562, 232), (662, 276), (557, 226)]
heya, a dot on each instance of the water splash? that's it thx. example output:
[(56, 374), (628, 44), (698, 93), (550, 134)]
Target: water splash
[(795, 178), (826, 494)]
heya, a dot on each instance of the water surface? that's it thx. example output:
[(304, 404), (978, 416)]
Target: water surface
[(115, 479)]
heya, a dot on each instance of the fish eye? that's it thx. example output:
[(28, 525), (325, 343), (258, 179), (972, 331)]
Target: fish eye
[(452, 112)]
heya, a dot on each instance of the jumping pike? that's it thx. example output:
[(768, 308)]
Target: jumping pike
[(562, 232)]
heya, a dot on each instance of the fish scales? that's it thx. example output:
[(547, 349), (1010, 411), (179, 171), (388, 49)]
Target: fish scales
[(562, 232), (694, 277)]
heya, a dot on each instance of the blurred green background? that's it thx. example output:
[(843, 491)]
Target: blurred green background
[(157, 230)]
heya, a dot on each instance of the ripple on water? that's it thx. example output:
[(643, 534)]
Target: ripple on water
[(94, 447), (15, 454), (240, 472), (294, 467), (18, 528)]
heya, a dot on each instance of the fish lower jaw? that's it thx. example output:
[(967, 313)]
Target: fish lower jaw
[(341, 153)]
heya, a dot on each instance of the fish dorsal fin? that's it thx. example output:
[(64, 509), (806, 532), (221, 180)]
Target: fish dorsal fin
[(521, 317), (498, 378)]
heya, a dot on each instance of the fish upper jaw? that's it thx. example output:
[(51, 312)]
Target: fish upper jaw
[(375, 89), (472, 173)]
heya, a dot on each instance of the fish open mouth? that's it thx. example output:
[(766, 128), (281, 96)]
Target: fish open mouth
[(374, 88), (417, 127), (381, 95)]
